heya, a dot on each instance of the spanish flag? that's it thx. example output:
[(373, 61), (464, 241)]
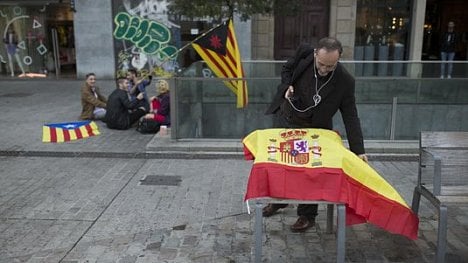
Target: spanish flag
[(220, 51), (68, 131), (313, 164)]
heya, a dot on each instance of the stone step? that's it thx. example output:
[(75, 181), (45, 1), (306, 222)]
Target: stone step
[(233, 149), (166, 144)]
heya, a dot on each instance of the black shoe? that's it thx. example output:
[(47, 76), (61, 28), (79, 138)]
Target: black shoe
[(302, 224), (270, 210)]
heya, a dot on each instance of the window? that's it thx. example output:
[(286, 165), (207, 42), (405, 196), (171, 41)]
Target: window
[(382, 33)]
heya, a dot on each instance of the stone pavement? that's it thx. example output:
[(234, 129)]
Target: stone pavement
[(86, 201)]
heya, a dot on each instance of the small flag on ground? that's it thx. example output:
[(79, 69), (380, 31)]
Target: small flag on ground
[(68, 131), (220, 51)]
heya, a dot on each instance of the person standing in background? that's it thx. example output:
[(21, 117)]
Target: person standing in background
[(447, 50)]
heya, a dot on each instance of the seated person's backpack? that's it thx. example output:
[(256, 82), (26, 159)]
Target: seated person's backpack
[(148, 126)]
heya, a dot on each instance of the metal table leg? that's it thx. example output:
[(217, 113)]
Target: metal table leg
[(258, 231), (341, 231), (330, 208)]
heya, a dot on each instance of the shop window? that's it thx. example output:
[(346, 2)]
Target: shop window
[(27, 49), (382, 29)]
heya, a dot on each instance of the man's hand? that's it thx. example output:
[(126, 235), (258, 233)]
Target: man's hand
[(363, 157), (140, 96), (289, 92)]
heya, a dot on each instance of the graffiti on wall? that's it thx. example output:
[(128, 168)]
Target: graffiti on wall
[(149, 36), (144, 38)]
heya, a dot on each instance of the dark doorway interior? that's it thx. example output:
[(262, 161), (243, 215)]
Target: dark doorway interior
[(307, 26), (438, 14)]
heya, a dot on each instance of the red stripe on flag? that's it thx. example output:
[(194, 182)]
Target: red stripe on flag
[(66, 135), (78, 133), (234, 48), (332, 184), (218, 66), (89, 129), (53, 134)]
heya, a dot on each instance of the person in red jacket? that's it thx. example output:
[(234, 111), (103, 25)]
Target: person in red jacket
[(160, 105)]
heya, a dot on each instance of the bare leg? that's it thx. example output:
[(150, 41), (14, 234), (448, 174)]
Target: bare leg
[(10, 63), (18, 60)]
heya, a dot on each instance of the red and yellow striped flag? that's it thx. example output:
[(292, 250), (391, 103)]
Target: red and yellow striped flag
[(313, 164), (220, 51), (68, 131)]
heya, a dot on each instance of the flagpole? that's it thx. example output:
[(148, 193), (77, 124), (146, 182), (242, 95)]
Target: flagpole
[(191, 42)]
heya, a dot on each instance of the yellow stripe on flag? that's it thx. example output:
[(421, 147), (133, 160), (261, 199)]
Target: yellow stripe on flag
[(60, 137), (72, 135), (84, 132), (45, 134), (94, 128)]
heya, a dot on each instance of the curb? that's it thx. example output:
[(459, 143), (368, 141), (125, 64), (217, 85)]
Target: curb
[(178, 155)]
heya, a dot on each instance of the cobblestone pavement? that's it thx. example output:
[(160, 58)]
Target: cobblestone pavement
[(97, 207), (98, 210)]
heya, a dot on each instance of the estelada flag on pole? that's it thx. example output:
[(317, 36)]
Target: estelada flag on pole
[(68, 131), (313, 164), (220, 51)]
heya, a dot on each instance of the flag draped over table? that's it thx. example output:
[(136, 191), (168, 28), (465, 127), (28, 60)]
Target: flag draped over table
[(68, 131), (313, 164), (220, 51)]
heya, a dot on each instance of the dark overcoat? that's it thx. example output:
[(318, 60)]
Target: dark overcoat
[(337, 94)]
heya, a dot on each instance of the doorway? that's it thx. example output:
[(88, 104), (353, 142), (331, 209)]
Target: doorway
[(309, 25), (438, 14)]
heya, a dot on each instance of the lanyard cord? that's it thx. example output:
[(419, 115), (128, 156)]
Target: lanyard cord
[(316, 96)]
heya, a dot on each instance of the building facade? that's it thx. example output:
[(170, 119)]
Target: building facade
[(70, 38)]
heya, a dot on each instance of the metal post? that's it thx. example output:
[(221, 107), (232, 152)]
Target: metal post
[(56, 52), (330, 218), (442, 235), (393, 118), (174, 110)]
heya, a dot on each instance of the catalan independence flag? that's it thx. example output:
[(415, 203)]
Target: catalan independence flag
[(313, 164), (68, 131), (220, 51)]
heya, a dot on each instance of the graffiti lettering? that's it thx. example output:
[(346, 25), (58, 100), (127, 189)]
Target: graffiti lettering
[(145, 25), (149, 36), (151, 9)]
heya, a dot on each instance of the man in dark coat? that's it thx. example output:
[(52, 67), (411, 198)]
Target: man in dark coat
[(121, 112), (314, 86)]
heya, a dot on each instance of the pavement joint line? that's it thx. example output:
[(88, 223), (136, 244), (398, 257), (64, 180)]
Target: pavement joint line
[(100, 214)]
